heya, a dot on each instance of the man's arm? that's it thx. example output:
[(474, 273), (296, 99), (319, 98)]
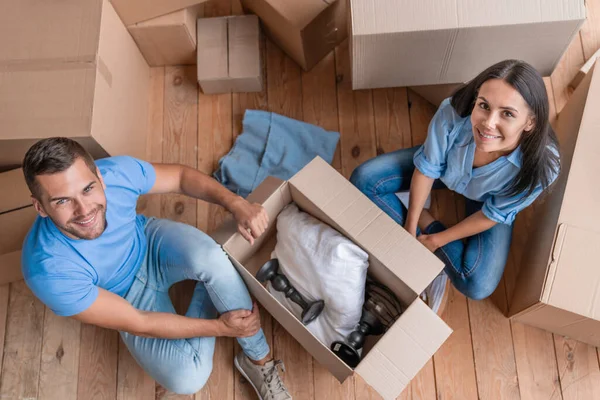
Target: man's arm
[(113, 312), (173, 178)]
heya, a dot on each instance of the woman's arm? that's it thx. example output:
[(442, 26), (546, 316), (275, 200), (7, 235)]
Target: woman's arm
[(420, 187), (472, 225)]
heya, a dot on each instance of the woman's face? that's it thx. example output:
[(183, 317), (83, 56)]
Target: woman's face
[(500, 117)]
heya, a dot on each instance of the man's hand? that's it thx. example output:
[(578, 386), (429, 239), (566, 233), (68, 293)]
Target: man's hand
[(432, 242), (252, 219), (240, 323)]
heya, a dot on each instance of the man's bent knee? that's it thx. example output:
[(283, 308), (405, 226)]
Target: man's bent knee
[(187, 383)]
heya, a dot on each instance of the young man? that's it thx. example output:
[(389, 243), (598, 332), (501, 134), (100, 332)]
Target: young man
[(90, 257)]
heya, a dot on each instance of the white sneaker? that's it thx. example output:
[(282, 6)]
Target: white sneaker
[(436, 294), (403, 197), (265, 379)]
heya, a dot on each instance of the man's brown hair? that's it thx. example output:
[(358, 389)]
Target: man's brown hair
[(52, 155)]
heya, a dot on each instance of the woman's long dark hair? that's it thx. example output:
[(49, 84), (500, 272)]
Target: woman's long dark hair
[(539, 162)]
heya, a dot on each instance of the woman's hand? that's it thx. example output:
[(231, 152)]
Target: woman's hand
[(432, 242)]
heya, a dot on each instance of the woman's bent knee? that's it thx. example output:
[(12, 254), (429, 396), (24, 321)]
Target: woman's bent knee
[(475, 289)]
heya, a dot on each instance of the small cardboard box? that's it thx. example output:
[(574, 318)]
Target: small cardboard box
[(229, 54), (395, 258), (426, 42), (169, 39), (559, 279), (134, 11), (16, 216), (307, 30), (70, 68)]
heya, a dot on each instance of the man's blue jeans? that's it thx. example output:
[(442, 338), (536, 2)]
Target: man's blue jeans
[(177, 252), (474, 267)]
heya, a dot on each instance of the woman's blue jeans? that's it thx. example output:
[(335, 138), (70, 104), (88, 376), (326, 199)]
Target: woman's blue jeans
[(177, 252), (475, 265)]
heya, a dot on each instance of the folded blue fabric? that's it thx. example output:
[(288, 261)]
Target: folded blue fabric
[(272, 145)]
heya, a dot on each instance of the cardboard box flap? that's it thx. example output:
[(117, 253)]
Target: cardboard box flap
[(300, 13), (574, 281), (379, 235), (40, 31), (272, 193), (132, 11), (175, 18), (15, 193), (401, 353)]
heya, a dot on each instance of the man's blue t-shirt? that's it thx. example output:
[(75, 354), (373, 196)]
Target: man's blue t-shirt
[(65, 273)]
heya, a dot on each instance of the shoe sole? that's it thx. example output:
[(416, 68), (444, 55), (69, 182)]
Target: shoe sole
[(239, 368)]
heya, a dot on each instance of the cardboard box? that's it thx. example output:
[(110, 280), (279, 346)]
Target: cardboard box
[(307, 30), (395, 258), (559, 280), (426, 42), (134, 11), (14, 192), (435, 94), (16, 216), (169, 39), (71, 69), (585, 68), (229, 54)]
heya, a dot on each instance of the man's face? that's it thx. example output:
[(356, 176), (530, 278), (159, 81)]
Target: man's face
[(74, 200)]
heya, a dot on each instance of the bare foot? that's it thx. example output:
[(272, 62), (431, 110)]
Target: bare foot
[(425, 219)]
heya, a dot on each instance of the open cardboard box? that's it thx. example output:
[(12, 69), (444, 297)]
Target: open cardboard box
[(395, 258)]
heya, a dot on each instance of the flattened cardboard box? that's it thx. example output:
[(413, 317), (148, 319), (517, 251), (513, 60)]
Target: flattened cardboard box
[(16, 216), (558, 287), (306, 30), (169, 39), (70, 68), (395, 258), (408, 43)]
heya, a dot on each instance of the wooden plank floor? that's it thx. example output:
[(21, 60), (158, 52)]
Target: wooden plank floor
[(487, 357)]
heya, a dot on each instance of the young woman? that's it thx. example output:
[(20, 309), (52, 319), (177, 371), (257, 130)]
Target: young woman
[(492, 143)]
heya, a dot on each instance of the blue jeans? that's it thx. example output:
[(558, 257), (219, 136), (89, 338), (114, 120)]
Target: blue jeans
[(474, 266), (177, 252)]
